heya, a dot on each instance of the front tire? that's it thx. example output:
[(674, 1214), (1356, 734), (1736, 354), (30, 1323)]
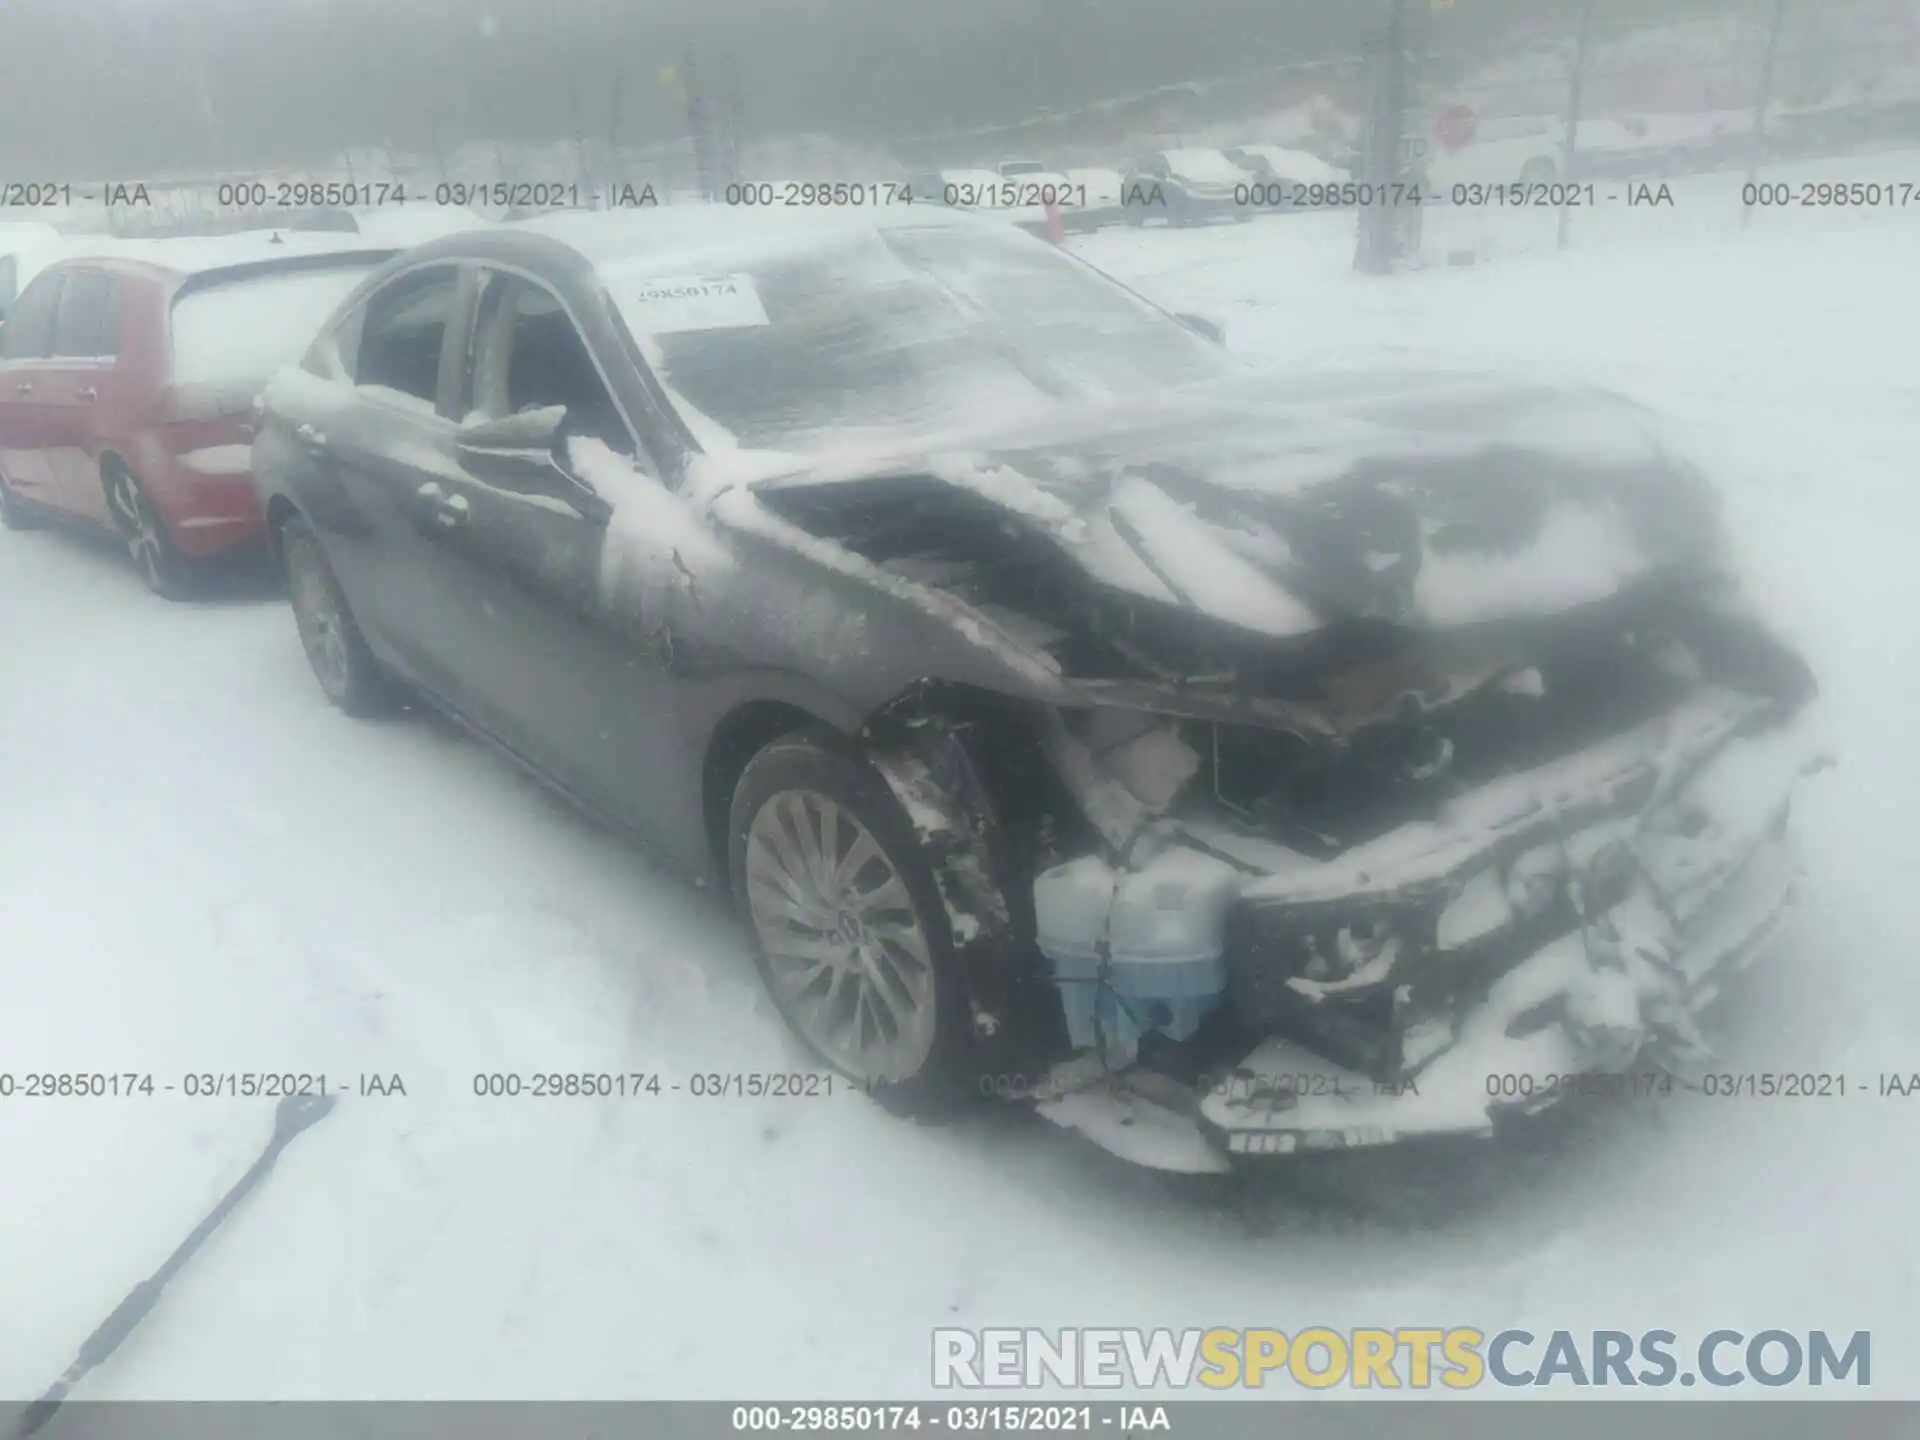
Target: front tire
[(849, 934), (336, 650), (163, 569)]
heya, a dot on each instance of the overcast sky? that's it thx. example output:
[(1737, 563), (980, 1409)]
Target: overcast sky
[(130, 89)]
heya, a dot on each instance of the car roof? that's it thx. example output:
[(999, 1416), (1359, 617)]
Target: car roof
[(686, 233), (21, 234), (198, 256)]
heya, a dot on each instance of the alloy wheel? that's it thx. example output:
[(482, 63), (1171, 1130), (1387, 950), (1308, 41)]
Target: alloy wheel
[(321, 620), (139, 528), (846, 955)]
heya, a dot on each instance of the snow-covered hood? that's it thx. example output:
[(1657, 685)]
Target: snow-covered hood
[(1299, 166), (1102, 187), (1279, 506), (1204, 169)]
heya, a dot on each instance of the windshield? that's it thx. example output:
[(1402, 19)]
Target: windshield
[(901, 331), (1203, 165)]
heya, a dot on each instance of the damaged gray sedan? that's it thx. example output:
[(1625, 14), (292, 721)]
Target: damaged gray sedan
[(1227, 764)]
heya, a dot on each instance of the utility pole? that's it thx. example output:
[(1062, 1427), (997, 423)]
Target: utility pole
[(1762, 106), (1384, 160), (1581, 38)]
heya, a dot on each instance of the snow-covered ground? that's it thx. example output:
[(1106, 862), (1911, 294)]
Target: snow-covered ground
[(204, 869)]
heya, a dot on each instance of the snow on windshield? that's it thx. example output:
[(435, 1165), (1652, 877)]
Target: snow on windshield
[(900, 331), (1204, 165), (239, 332)]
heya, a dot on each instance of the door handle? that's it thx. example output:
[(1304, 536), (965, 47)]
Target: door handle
[(311, 438), (89, 393)]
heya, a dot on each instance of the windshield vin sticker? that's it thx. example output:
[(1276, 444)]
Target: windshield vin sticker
[(673, 304)]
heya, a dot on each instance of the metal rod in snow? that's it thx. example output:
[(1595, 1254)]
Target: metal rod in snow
[(293, 1114), (1760, 109), (1580, 40)]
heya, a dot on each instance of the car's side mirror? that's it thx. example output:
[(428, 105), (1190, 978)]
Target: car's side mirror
[(1207, 329), (523, 454)]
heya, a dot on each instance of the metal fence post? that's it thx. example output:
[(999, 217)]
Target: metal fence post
[(735, 104), (582, 171), (698, 126), (1582, 36), (616, 169), (439, 150), (1760, 109)]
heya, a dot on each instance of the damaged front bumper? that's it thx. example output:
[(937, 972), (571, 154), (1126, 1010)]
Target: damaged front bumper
[(1570, 921)]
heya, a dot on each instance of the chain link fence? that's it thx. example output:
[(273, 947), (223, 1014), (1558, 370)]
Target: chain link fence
[(1607, 111), (1457, 140)]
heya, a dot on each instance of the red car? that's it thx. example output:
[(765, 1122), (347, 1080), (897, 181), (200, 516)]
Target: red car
[(127, 382)]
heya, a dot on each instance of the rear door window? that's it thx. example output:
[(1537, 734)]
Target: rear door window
[(28, 332), (87, 323)]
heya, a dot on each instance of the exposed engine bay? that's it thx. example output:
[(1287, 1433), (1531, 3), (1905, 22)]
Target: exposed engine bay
[(1531, 850)]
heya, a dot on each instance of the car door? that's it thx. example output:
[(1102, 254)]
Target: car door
[(1145, 189), (369, 470), (558, 673), (77, 388), (1255, 162), (26, 349)]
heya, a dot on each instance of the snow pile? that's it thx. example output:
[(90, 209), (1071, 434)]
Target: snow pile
[(1580, 554), (1188, 556)]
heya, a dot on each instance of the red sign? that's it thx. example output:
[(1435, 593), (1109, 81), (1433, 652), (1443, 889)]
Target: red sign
[(1455, 126)]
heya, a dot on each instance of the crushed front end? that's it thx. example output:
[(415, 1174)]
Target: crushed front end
[(1436, 884), (1405, 747)]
